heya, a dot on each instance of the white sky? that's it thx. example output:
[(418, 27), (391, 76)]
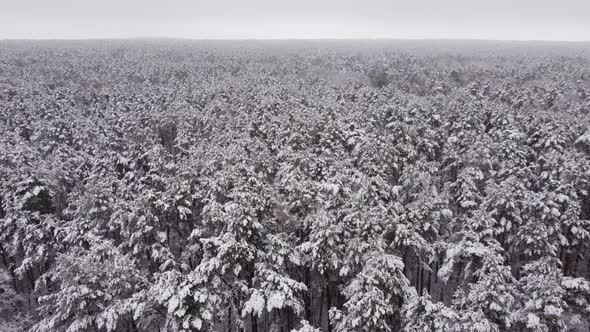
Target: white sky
[(262, 19)]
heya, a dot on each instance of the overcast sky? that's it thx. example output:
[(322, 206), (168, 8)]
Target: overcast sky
[(261, 19)]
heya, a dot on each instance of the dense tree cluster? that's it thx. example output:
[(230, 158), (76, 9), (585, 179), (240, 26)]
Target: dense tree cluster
[(160, 186)]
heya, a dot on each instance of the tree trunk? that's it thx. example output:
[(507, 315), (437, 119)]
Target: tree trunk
[(229, 322), (265, 322), (254, 322), (328, 304), (436, 267), (419, 279), (428, 283), (404, 260), (307, 296), (442, 293), (562, 258), (322, 306)]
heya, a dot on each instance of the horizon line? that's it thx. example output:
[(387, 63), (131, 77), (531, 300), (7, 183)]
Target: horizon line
[(393, 39)]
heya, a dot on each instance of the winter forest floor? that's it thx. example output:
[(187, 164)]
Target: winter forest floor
[(261, 186)]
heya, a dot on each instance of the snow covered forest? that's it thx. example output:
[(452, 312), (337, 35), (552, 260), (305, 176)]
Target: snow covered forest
[(294, 186)]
